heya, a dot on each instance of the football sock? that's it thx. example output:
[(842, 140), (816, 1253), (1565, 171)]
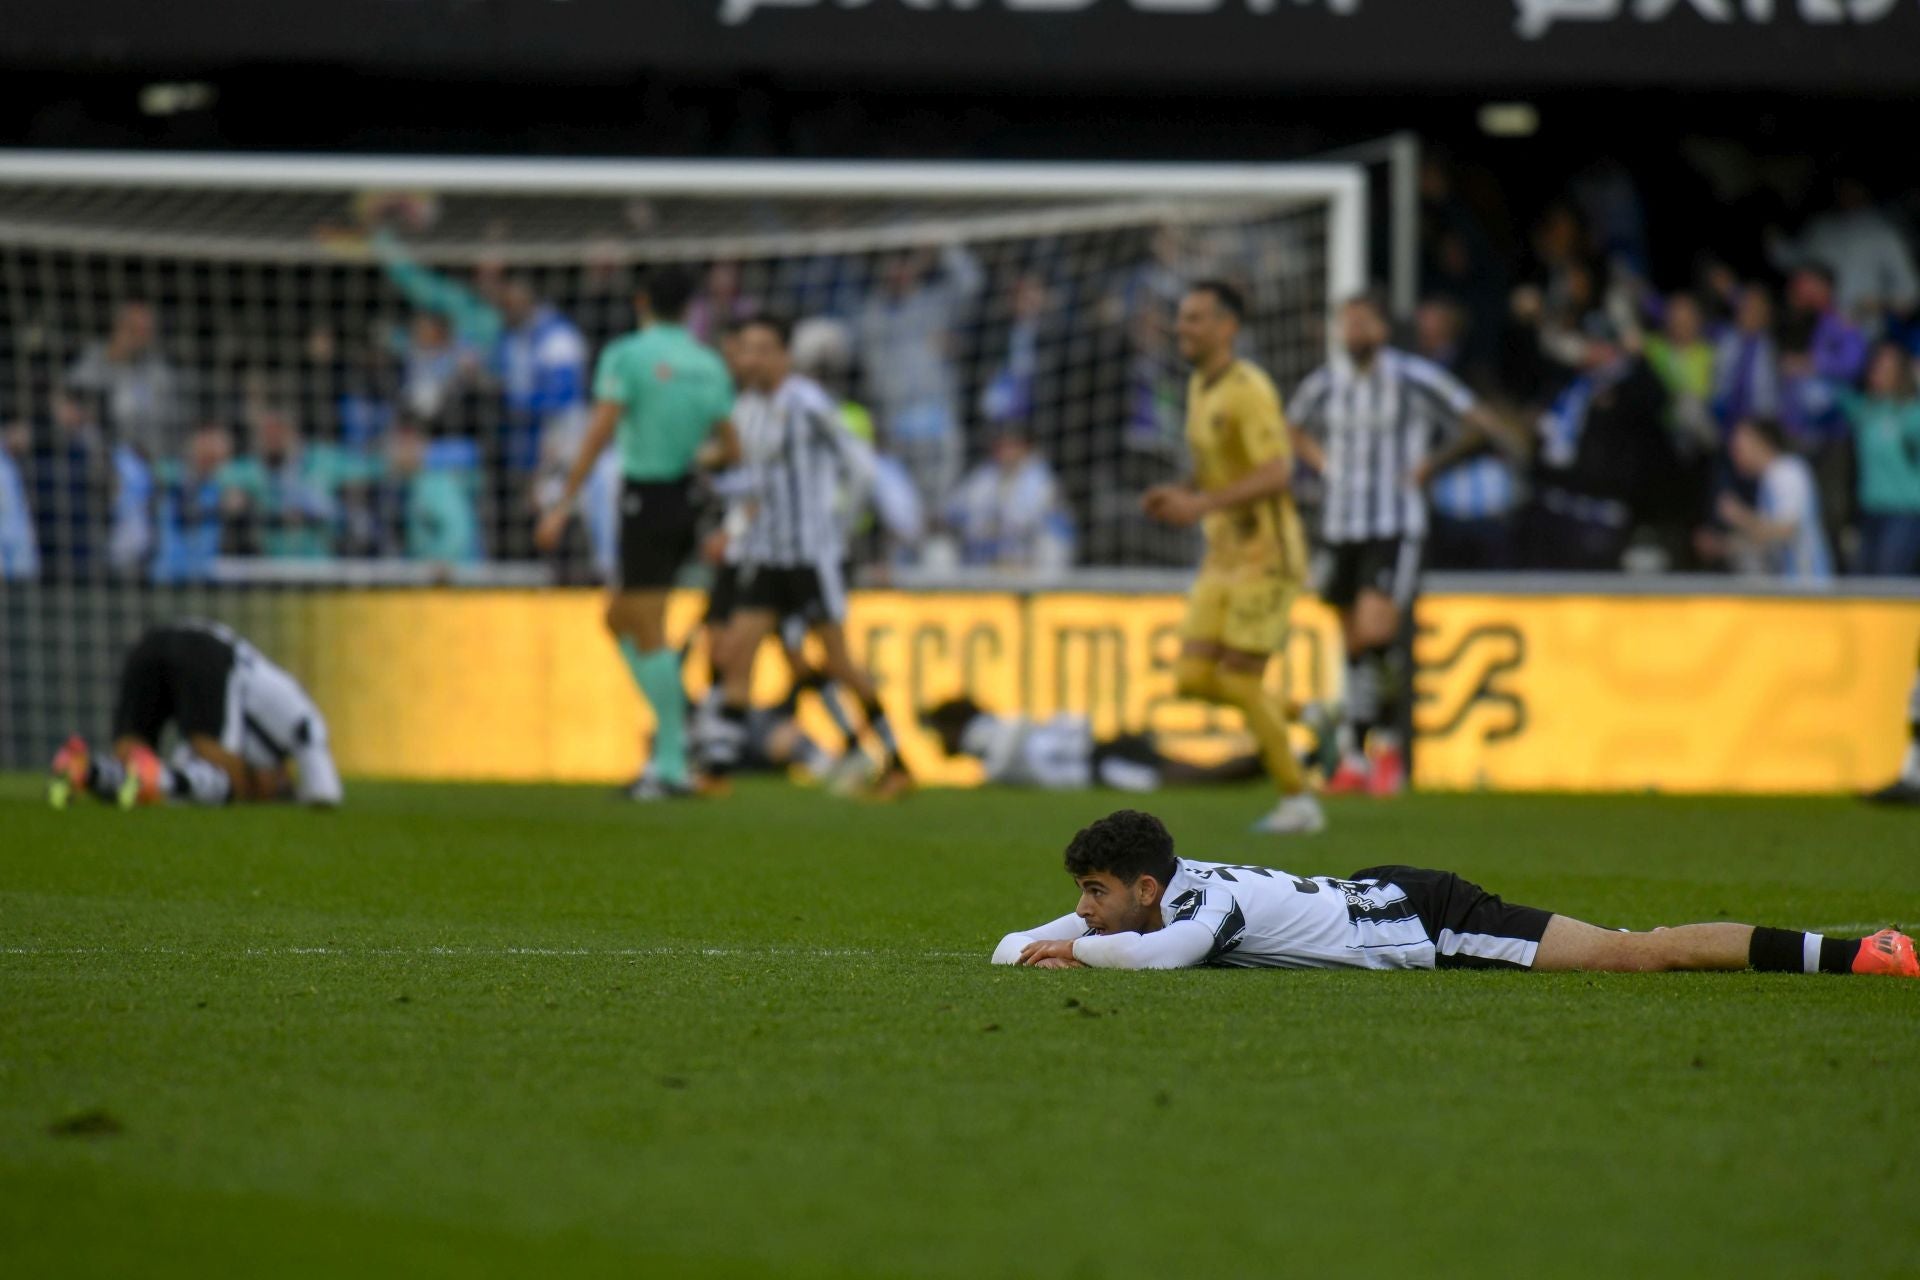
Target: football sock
[(1789, 951), (728, 741), (829, 693), (1391, 664), (1247, 693), (1363, 699), (658, 675), (104, 775), (877, 721), (192, 777)]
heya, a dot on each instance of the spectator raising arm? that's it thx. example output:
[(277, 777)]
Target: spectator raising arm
[(475, 320)]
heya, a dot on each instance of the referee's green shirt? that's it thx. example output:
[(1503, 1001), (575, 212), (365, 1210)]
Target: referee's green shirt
[(671, 389)]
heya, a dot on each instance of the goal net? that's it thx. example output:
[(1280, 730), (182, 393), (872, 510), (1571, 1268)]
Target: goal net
[(227, 377)]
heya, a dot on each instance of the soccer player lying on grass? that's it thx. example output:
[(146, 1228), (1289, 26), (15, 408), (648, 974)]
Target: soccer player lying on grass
[(1141, 907), (1061, 754), (247, 730)]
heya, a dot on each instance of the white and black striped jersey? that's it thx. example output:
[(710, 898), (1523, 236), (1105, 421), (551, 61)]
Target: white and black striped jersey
[(1379, 424), (805, 466), (269, 720), (1256, 918), (734, 487)]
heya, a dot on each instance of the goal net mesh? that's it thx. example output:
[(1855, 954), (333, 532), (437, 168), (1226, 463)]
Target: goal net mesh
[(210, 392)]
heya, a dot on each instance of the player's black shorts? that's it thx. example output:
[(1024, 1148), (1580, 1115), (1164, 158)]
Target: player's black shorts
[(814, 595), (658, 532), (723, 597), (1470, 928), (1390, 566), (178, 675)]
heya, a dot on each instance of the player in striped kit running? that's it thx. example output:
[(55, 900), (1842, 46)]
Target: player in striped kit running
[(803, 463), (1381, 413)]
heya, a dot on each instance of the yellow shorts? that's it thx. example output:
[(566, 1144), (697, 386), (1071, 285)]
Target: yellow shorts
[(1248, 610)]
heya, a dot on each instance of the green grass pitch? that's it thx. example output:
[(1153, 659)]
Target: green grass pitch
[(494, 1031)]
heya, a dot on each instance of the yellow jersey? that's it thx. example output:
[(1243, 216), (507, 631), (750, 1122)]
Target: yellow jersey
[(1234, 425)]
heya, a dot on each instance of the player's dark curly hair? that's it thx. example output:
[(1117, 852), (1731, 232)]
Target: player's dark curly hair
[(1126, 844)]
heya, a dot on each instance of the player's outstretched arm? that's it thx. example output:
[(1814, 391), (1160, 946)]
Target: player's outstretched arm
[(1184, 944), (1065, 929)]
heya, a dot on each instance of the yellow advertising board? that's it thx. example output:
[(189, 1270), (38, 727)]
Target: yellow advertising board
[(1513, 693), (1725, 694)]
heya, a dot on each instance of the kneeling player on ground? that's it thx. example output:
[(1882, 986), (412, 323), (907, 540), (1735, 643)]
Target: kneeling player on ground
[(1141, 907), (1062, 754), (248, 731)]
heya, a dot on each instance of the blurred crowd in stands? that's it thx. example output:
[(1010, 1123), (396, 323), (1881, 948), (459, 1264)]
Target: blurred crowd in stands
[(1765, 423)]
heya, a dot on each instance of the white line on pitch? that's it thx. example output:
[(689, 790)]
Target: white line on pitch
[(613, 953)]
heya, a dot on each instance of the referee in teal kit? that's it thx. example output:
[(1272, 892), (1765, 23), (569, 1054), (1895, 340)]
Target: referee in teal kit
[(665, 398)]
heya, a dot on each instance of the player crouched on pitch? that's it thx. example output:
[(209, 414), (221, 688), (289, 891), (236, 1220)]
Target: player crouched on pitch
[(248, 731), (1141, 907), (1061, 754)]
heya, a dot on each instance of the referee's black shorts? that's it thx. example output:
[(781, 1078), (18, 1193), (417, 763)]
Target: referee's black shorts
[(1470, 928), (658, 532), (1390, 566), (176, 675)]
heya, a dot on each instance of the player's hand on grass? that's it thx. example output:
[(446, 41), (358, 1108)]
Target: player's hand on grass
[(1049, 955), (551, 528)]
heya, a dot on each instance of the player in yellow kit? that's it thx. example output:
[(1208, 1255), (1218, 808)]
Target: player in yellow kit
[(1256, 560)]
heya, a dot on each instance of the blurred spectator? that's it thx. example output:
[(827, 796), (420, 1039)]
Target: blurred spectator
[(1885, 424), (70, 490), (1603, 462), (289, 509), (1784, 534), (1871, 266), (1839, 350), (433, 369), (196, 501), (1458, 263), (1023, 352), (1472, 503), (1747, 364), (720, 302), (1611, 206), (1684, 360), (144, 395), (907, 331), (426, 512), (543, 372), (1008, 514), (537, 355), (19, 547)]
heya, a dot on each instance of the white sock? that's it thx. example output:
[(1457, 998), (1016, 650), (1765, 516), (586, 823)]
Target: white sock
[(192, 777)]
